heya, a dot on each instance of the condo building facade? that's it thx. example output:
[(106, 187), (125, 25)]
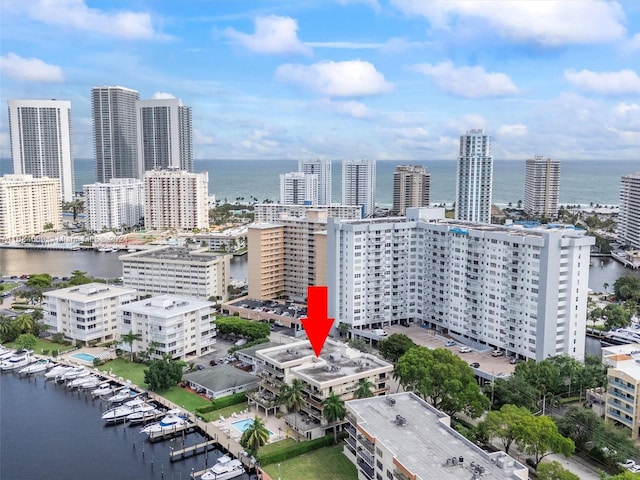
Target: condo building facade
[(86, 313), (273, 212), (542, 187), (474, 177), (177, 271), (629, 216), (359, 185), (28, 206), (411, 188), (176, 199), (520, 290), (40, 137), (116, 204), (298, 188), (115, 132), (173, 325), (321, 168)]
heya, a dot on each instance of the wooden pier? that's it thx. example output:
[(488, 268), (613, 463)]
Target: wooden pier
[(192, 450), (173, 432)]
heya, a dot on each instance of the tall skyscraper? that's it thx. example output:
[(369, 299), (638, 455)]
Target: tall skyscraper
[(164, 135), (411, 188), (40, 132), (542, 187), (474, 177), (115, 133), (321, 168), (629, 216), (298, 188), (359, 184)]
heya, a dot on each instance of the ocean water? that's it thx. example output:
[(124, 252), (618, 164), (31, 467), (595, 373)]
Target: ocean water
[(581, 182)]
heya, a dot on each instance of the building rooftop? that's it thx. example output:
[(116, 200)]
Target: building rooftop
[(178, 254), (166, 305), (221, 378), (425, 444), (89, 292)]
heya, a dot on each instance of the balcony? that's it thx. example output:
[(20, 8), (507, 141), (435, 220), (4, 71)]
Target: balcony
[(366, 469)]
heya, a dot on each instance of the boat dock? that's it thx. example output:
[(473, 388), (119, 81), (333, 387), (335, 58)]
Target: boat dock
[(196, 449), (175, 431)]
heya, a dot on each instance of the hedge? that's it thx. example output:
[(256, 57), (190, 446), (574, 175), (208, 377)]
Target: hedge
[(222, 402), (295, 450), (247, 345)]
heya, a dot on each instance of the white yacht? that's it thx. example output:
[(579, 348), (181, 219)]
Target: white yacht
[(144, 416), (171, 421), (79, 381), (90, 382), (6, 353), (37, 367), (103, 389), (224, 469), (19, 359), (123, 394), (72, 374), (120, 414), (57, 370)]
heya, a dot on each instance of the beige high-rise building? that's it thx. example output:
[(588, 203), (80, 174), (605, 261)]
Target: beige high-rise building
[(282, 256), (542, 187), (629, 218), (411, 188), (28, 206), (176, 199)]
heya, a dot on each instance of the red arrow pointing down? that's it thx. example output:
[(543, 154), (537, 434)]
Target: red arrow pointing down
[(317, 324)]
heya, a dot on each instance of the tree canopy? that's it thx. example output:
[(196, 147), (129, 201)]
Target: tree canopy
[(616, 316), (555, 471), (504, 424), (396, 345), (255, 436), (443, 379), (627, 288), (539, 436), (241, 327), (163, 373), (333, 411)]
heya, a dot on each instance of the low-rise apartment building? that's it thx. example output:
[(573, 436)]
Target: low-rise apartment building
[(177, 271), (338, 370), (272, 212), (177, 326), (86, 313), (403, 437), (622, 404)]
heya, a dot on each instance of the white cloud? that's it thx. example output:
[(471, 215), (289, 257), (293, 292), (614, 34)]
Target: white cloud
[(514, 130), (353, 78), (613, 83), (29, 69), (272, 35), (470, 82), (633, 44), (549, 23), (162, 96), (372, 3), (76, 14), (350, 108), (200, 138)]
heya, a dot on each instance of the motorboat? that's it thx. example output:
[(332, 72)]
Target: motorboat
[(81, 380), (6, 353), (622, 336), (57, 370), (37, 367), (120, 414), (172, 420), (72, 374), (224, 469), (90, 382), (19, 359), (103, 389), (144, 416), (122, 395)]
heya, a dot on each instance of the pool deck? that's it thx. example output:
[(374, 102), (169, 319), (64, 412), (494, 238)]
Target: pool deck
[(97, 352), (276, 425)]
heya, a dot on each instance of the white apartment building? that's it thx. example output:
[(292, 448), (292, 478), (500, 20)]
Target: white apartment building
[(176, 199), (273, 212), (115, 132), (298, 188), (542, 187), (27, 206), (359, 185), (233, 240), (321, 168), (115, 204), (179, 326), (165, 135), (474, 177), (338, 370), (402, 437), (40, 135), (629, 216), (520, 290), (177, 271), (86, 313), (411, 188)]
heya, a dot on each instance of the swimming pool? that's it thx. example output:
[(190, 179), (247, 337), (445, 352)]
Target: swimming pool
[(242, 425), (85, 357)]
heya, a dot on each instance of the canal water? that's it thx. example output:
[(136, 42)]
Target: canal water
[(51, 433)]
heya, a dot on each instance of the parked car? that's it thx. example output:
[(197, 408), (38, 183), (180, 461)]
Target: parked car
[(497, 353), (634, 469), (474, 365), (450, 343), (464, 349), (628, 463)]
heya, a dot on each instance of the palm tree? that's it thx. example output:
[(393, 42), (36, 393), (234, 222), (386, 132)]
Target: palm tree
[(292, 397), (333, 411), (75, 207), (6, 327), (129, 338), (255, 436), (24, 323), (364, 389)]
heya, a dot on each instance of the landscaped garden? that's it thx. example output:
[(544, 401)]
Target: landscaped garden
[(323, 464)]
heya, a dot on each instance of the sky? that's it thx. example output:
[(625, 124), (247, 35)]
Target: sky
[(341, 79)]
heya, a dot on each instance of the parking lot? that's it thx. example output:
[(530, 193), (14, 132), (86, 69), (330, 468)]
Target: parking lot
[(278, 313)]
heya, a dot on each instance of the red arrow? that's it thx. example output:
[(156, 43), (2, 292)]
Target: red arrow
[(317, 324)]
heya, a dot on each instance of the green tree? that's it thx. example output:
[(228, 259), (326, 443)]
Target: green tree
[(26, 341), (79, 277), (255, 436), (616, 316), (443, 379), (8, 329), (41, 281), (333, 411), (504, 424), (24, 323), (163, 373), (555, 471), (292, 397), (580, 425), (513, 391), (364, 389), (627, 288), (359, 344), (129, 338), (343, 328), (396, 345), (75, 207), (539, 436)]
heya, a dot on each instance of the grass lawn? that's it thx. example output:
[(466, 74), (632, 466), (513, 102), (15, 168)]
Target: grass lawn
[(324, 464), (44, 345), (225, 412), (8, 286), (186, 399)]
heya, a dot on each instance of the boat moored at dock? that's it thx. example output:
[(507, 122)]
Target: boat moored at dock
[(224, 469)]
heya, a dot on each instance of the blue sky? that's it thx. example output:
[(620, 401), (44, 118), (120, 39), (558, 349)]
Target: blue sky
[(396, 79)]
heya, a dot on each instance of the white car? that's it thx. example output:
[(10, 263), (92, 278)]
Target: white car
[(634, 469), (628, 464), (465, 350), (450, 343)]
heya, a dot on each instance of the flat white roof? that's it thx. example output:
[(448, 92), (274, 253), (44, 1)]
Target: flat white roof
[(166, 305), (90, 292)]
